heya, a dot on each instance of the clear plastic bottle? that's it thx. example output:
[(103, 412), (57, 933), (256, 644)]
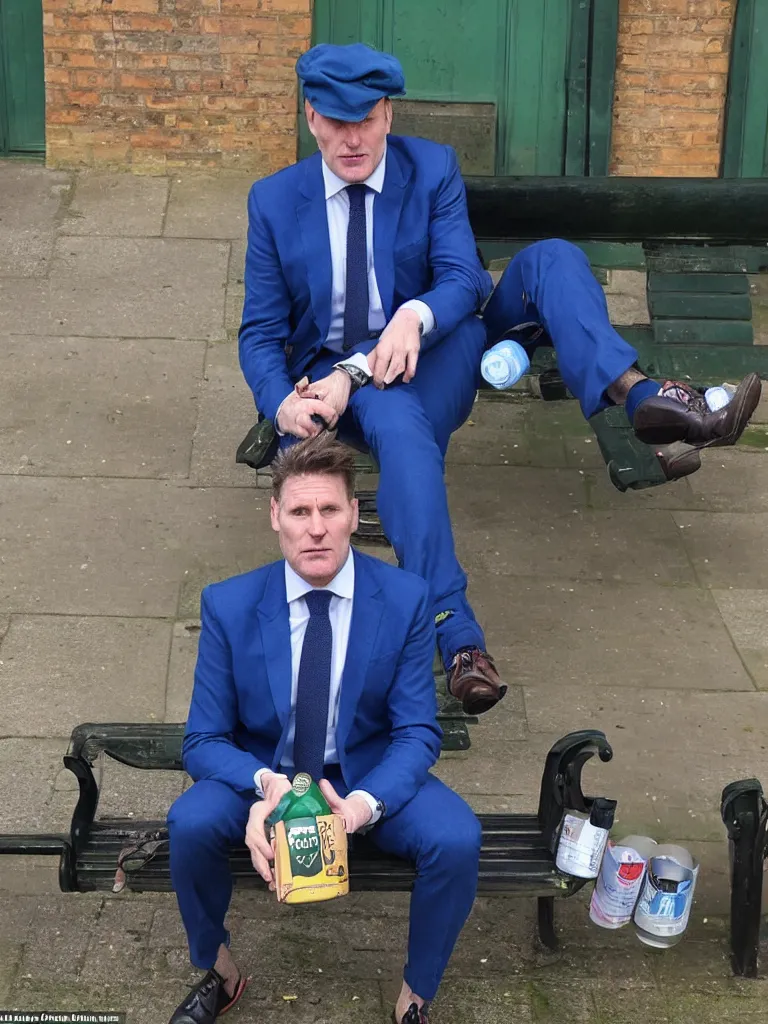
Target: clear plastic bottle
[(503, 365)]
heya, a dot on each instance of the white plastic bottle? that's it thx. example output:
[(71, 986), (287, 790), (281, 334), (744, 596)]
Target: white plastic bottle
[(504, 364)]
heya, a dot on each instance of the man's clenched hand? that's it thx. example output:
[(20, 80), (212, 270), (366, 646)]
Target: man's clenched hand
[(274, 788), (354, 810), (333, 390), (295, 414)]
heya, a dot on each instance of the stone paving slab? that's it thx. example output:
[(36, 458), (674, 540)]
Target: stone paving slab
[(116, 204), (207, 207), (746, 615), (226, 414), (504, 525), (675, 496), (59, 671), (727, 550), (28, 768), (674, 751), (30, 202), (99, 407), (732, 481), (123, 287), (181, 669), (135, 543), (237, 260), (583, 632)]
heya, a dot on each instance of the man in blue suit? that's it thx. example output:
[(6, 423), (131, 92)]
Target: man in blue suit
[(321, 663), (362, 270)]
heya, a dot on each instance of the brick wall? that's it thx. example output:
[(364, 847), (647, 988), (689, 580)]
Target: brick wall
[(671, 80), (156, 85)]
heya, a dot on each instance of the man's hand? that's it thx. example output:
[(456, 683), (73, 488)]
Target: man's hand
[(397, 350), (274, 788), (333, 390), (354, 810), (295, 415)]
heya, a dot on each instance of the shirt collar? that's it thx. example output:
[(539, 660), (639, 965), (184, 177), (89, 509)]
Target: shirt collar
[(334, 184), (342, 584)]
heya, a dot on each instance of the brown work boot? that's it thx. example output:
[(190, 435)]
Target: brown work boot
[(473, 679)]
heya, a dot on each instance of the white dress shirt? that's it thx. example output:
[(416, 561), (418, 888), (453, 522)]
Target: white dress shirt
[(342, 586), (337, 210)]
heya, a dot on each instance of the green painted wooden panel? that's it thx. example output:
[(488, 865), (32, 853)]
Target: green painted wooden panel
[(708, 332), (531, 60), (687, 305), (602, 71), (22, 79), (708, 284), (745, 150)]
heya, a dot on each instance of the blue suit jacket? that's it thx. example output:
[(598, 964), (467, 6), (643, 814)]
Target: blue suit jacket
[(387, 733), (423, 248)]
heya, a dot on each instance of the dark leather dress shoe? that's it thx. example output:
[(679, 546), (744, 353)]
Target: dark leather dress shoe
[(680, 413), (473, 679), (207, 1000), (413, 1016)]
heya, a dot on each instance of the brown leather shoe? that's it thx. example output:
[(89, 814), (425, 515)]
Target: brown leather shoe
[(680, 413), (473, 679), (678, 460)]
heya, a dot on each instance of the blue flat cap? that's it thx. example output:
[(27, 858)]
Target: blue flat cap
[(346, 82)]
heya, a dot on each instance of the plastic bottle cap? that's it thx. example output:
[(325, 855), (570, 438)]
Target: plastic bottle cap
[(602, 813)]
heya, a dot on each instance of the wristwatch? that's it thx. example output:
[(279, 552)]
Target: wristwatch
[(357, 375)]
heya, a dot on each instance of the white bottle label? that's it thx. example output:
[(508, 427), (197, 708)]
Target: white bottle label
[(581, 847)]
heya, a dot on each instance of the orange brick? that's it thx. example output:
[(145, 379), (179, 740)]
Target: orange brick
[(92, 79), (135, 6), (57, 76), (141, 23), (148, 81), (69, 41), (141, 61), (83, 22)]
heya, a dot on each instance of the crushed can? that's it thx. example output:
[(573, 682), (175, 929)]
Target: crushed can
[(310, 845), (662, 911), (621, 878)]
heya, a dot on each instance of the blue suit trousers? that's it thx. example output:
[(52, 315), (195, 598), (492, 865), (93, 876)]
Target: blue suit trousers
[(436, 830), (551, 283), (408, 427)]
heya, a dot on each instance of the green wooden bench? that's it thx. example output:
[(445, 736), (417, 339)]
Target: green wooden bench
[(696, 239), (517, 855), (745, 814)]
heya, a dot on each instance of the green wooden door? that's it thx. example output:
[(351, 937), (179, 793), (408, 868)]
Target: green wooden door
[(745, 151), (507, 82), (22, 80)]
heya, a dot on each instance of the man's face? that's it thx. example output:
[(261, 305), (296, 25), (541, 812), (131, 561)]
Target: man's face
[(352, 149), (314, 520)]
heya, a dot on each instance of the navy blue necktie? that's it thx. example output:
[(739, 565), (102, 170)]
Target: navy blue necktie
[(356, 296), (314, 687)]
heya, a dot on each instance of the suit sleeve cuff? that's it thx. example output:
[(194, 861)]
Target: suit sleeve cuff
[(357, 359), (278, 431), (372, 802), (425, 313), (257, 780)]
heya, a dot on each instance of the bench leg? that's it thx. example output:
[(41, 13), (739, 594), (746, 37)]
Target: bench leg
[(546, 921), (745, 814)]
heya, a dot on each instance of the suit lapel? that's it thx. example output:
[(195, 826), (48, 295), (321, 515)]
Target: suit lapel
[(387, 207), (313, 223), (367, 610), (276, 640)]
